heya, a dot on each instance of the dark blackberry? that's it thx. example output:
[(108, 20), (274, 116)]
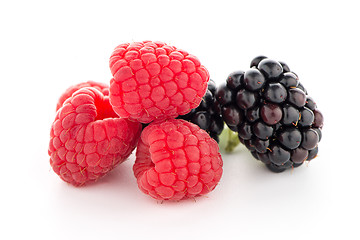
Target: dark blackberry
[(271, 112), (208, 114)]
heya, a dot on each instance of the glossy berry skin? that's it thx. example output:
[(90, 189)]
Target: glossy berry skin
[(202, 119), (224, 94), (253, 80), (245, 99), (272, 113), (208, 114), (310, 139), (234, 81), (290, 138), (262, 131), (252, 114), (284, 66), (306, 117), (291, 115), (289, 80), (278, 155), (245, 131), (275, 92), (299, 155), (297, 97), (318, 119), (255, 62), (261, 146), (270, 68), (232, 116)]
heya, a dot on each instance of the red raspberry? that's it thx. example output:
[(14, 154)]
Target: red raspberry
[(102, 87), (175, 159), (153, 80), (88, 139)]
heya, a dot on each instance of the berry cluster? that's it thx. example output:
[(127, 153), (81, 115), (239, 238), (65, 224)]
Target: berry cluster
[(98, 126), (271, 112), (161, 101)]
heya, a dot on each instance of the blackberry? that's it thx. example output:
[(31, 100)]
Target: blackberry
[(208, 114), (272, 114)]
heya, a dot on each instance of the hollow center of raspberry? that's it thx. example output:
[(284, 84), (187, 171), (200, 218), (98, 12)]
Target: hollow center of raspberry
[(104, 109)]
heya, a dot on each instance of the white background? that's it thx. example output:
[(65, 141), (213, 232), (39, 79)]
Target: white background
[(47, 46)]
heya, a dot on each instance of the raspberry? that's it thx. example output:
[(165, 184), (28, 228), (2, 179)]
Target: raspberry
[(208, 114), (271, 112), (102, 87), (155, 81), (175, 159), (88, 139)]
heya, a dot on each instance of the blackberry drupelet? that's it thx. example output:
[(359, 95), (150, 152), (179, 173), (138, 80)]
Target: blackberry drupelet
[(271, 112), (208, 114)]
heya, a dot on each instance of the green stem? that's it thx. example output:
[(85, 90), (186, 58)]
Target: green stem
[(229, 139)]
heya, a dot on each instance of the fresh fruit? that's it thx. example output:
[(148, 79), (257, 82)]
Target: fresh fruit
[(102, 87), (271, 112), (208, 114), (87, 138), (175, 160), (155, 81)]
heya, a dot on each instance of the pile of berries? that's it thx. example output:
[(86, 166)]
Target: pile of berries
[(97, 126), (161, 102)]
